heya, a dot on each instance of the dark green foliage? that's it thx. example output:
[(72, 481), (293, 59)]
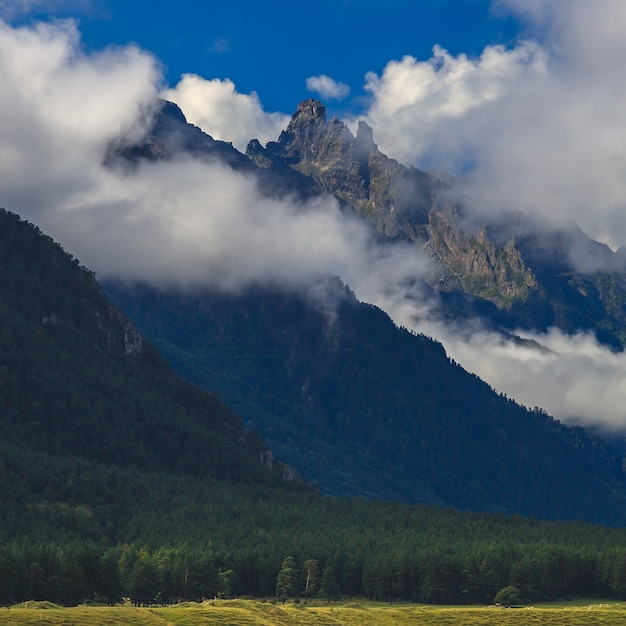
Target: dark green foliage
[(287, 579), (508, 596), (330, 589), (77, 379), (160, 538), (364, 408)]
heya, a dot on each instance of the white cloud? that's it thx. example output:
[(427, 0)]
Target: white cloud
[(418, 107), (539, 126), (189, 223), (571, 377), (61, 108), (222, 112), (184, 221), (327, 88)]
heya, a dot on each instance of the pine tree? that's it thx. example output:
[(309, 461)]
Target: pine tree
[(287, 579)]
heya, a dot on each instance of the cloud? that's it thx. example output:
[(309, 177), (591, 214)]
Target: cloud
[(537, 127), (418, 107), (192, 223), (185, 222), (10, 9), (222, 112), (60, 108), (571, 377), (327, 88), (221, 46)]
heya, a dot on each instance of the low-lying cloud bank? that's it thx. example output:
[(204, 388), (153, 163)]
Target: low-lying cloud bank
[(535, 125), (572, 377)]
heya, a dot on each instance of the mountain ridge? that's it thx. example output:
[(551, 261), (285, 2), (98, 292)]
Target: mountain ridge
[(510, 271), (289, 388), (363, 408)]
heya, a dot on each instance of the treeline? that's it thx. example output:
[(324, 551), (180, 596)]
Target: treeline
[(72, 530), (79, 572)]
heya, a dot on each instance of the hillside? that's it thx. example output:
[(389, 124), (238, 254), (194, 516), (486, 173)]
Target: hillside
[(363, 408), (78, 379)]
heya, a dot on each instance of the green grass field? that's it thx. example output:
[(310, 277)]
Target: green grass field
[(253, 613)]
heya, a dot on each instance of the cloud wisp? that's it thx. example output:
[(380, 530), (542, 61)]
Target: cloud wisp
[(327, 88), (11, 9), (221, 111)]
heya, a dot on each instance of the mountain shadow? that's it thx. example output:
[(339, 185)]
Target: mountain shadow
[(363, 408)]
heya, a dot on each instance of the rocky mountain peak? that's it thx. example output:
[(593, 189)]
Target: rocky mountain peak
[(306, 123), (310, 109), (301, 139), (364, 144)]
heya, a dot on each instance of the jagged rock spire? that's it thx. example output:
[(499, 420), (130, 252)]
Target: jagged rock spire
[(311, 109)]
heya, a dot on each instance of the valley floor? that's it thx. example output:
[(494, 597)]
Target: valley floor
[(254, 613)]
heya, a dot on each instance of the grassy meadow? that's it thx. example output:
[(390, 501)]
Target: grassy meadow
[(254, 613)]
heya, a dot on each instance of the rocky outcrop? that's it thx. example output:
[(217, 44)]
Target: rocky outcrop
[(495, 272), (169, 135), (352, 168)]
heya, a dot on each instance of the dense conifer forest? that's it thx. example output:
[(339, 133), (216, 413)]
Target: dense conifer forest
[(74, 530), (363, 408)]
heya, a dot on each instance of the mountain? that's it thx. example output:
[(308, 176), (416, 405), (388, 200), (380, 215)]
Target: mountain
[(77, 378), (512, 270), (509, 270), (118, 479), (364, 408)]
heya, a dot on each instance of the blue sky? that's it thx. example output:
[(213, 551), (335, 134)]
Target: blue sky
[(271, 47)]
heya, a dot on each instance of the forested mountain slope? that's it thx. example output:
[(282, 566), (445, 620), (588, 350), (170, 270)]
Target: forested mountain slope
[(362, 407), (118, 479), (73, 530), (77, 379)]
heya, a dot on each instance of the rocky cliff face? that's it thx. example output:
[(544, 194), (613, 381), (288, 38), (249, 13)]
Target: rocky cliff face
[(352, 168), (403, 202), (533, 275), (475, 263)]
